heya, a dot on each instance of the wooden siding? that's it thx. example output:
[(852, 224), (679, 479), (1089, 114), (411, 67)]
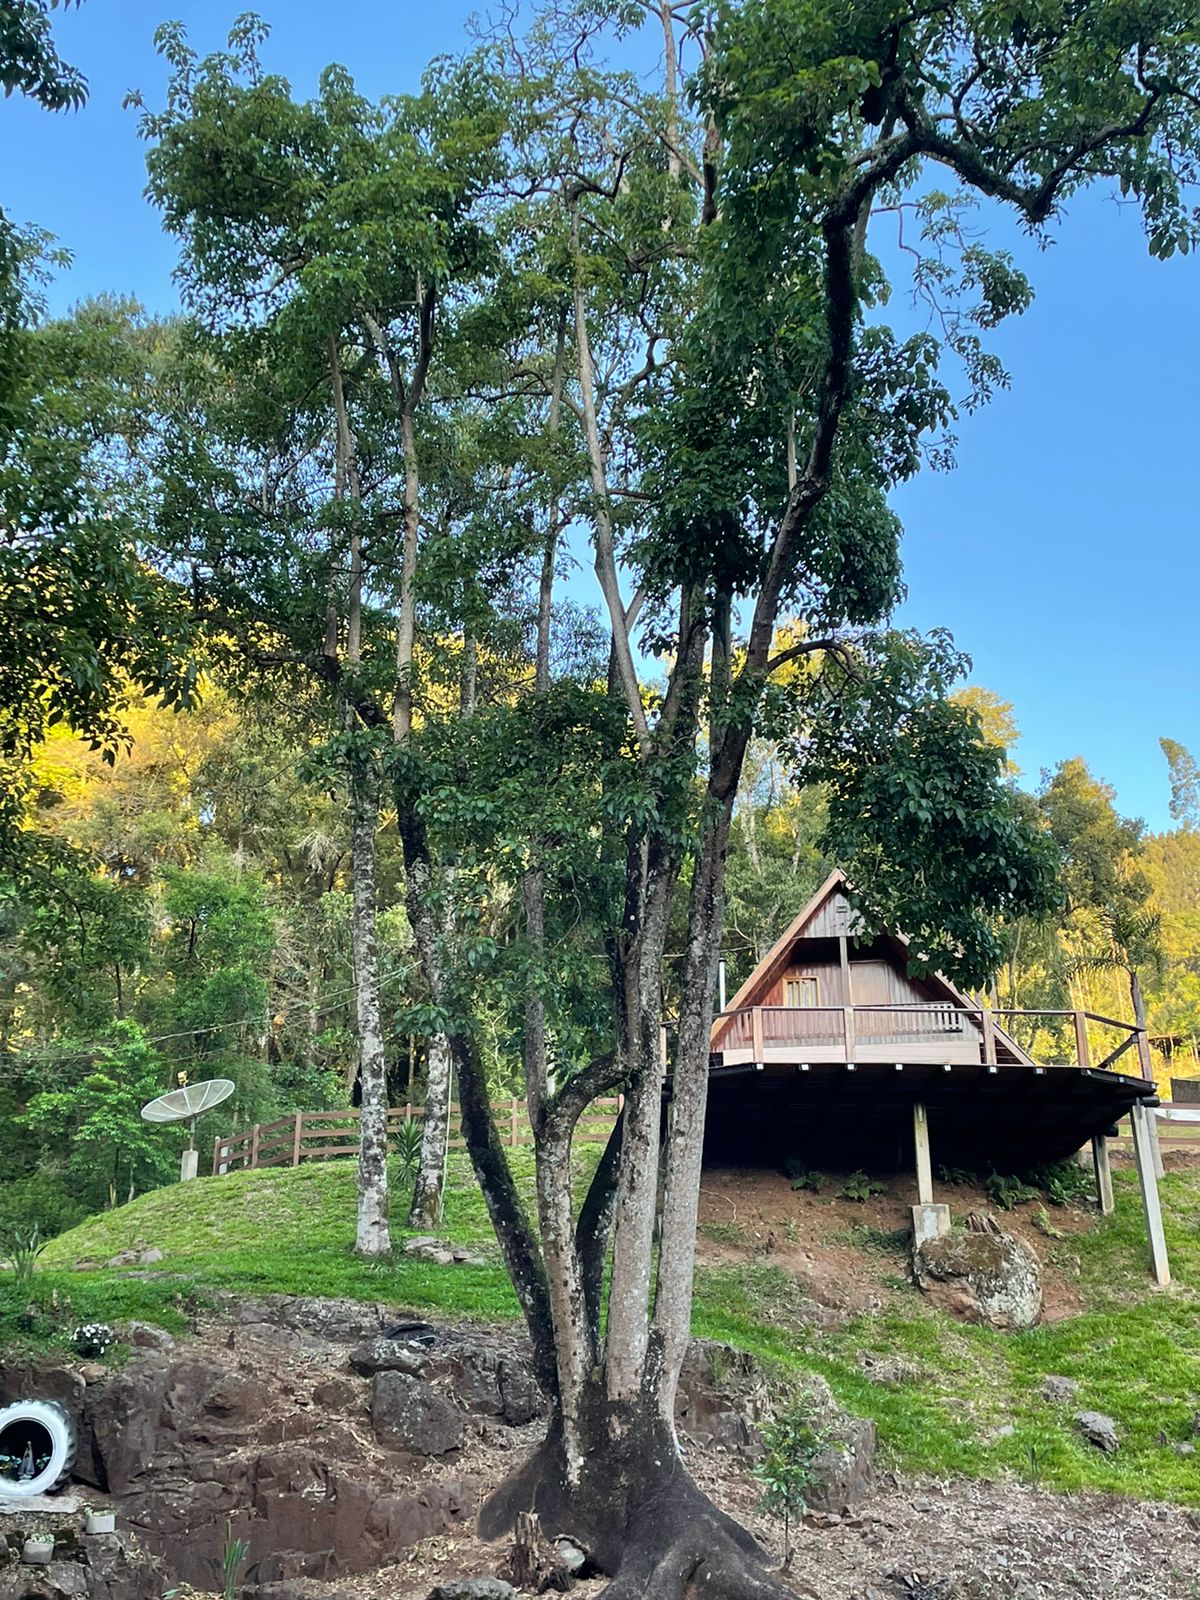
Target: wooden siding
[(834, 916)]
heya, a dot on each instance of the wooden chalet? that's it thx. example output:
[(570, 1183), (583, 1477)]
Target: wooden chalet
[(832, 1054)]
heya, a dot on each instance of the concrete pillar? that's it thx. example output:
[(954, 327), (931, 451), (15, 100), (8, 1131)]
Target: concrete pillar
[(189, 1166), (924, 1165), (1141, 1117), (1103, 1171)]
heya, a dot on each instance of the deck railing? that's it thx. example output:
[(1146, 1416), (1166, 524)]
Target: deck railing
[(755, 1030), (324, 1135)]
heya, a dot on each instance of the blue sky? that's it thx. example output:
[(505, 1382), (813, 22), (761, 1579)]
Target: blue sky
[(1062, 552)]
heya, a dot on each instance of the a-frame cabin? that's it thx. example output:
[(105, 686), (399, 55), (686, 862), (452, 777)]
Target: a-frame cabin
[(832, 1054)]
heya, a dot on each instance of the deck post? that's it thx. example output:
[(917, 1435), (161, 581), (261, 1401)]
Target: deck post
[(1103, 1171), (989, 1035), (756, 1026), (848, 1031), (1156, 1146), (924, 1163), (1081, 1040), (1140, 1117)]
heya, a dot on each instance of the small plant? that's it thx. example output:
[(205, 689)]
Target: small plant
[(1043, 1224), (791, 1445), (92, 1340), (859, 1187), (408, 1148), (22, 1248), (1064, 1183), (1006, 1190), (233, 1558), (958, 1177), (801, 1178)]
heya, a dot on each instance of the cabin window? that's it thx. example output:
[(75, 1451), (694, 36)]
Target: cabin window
[(800, 992)]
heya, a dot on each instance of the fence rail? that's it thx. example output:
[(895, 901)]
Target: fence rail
[(325, 1135)]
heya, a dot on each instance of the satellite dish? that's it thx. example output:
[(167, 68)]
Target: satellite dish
[(185, 1105)]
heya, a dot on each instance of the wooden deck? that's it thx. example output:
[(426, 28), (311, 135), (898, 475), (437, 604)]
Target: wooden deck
[(928, 1034)]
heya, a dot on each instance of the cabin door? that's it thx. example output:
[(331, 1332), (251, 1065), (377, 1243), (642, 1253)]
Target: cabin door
[(871, 983)]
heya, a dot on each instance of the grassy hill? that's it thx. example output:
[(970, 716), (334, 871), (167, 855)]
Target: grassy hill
[(972, 1403)]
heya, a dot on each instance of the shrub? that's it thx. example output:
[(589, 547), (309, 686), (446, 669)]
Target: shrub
[(22, 1248), (859, 1187), (791, 1446)]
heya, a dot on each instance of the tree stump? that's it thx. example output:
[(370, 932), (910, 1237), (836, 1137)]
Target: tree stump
[(534, 1563)]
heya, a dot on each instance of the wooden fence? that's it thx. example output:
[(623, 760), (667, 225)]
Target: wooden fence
[(325, 1135)]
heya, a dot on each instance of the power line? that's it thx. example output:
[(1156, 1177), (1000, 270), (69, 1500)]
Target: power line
[(82, 1052)]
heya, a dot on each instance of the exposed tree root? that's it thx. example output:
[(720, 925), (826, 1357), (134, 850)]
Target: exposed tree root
[(639, 1517)]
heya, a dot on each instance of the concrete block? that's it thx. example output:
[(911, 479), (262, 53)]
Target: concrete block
[(929, 1222)]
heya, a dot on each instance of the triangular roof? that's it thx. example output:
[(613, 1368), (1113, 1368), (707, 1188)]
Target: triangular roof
[(775, 962)]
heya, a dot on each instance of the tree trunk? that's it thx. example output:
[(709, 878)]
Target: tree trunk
[(634, 1510), (371, 1234), (426, 1209)]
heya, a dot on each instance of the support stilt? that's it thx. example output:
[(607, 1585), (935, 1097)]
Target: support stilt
[(924, 1164), (1155, 1144), (1141, 1118), (1103, 1171)]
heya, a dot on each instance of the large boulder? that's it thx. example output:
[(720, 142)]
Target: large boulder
[(408, 1414), (988, 1277)]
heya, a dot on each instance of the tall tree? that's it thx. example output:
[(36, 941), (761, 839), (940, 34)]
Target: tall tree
[(1185, 782), (739, 420)]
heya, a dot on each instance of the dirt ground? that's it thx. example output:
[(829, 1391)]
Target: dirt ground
[(914, 1540), (757, 1216)]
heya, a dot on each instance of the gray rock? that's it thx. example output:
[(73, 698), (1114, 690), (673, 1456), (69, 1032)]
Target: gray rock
[(338, 1321), (1185, 1449), (843, 1469), (1059, 1391), (991, 1278), (569, 1553), (387, 1355), (408, 1415), (1098, 1429), (721, 1397), (145, 1336), (474, 1589)]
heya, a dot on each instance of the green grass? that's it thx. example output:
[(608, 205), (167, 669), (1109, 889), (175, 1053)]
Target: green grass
[(1134, 1351)]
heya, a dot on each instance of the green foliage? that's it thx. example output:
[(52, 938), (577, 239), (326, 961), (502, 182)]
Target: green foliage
[(407, 1148), (95, 1126), (858, 1186), (802, 1178), (1007, 1191), (22, 1247), (792, 1444), (30, 62), (1185, 783), (234, 1552)]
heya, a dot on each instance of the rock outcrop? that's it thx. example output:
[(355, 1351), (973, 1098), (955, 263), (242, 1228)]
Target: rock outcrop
[(331, 1437)]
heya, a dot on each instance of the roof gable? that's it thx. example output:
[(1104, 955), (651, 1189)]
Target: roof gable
[(830, 914)]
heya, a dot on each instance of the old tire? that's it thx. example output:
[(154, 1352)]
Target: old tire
[(45, 1426)]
